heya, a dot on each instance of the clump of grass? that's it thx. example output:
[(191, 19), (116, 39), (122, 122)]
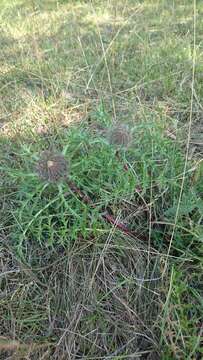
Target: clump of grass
[(181, 323)]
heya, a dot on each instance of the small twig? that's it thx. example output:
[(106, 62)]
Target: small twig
[(109, 218)]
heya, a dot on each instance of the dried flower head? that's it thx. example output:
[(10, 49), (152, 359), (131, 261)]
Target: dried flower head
[(51, 166), (120, 135)]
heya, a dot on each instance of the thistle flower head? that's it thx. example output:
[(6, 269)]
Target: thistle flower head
[(51, 166), (120, 135)]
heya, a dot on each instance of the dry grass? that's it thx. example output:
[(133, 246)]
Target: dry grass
[(95, 299)]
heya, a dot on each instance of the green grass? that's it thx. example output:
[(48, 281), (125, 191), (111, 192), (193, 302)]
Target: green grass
[(72, 284)]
